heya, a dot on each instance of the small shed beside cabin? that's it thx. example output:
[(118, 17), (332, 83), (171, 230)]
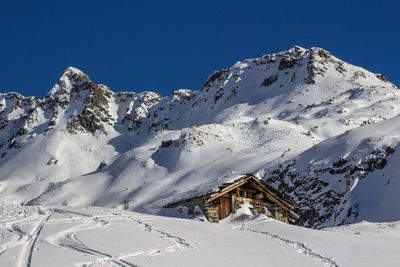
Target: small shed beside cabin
[(245, 190)]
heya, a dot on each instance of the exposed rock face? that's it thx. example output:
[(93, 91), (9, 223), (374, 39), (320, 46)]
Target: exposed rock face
[(95, 112), (323, 192), (135, 107), (269, 81), (290, 58)]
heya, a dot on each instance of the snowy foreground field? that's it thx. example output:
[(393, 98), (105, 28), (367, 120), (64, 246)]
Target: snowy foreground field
[(64, 236)]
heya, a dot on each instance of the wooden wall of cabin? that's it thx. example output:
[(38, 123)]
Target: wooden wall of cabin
[(224, 207)]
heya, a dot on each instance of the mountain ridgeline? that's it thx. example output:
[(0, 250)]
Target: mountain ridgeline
[(321, 131)]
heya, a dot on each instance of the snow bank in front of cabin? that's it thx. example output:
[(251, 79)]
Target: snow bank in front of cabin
[(241, 214)]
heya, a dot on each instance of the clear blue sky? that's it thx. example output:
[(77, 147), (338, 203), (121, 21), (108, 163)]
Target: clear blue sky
[(167, 45)]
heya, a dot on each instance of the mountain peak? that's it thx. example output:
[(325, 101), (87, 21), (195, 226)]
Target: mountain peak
[(71, 70), (71, 79), (74, 76), (297, 50), (298, 47)]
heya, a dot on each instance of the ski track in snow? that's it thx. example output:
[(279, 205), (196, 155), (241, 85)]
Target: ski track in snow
[(34, 236), (178, 242), (26, 240), (16, 231), (299, 246), (68, 237)]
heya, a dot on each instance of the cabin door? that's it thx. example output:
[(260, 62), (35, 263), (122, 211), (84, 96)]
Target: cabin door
[(224, 207)]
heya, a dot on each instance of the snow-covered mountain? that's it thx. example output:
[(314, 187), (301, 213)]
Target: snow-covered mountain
[(321, 131)]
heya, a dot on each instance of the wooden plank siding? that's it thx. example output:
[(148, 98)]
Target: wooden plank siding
[(224, 207)]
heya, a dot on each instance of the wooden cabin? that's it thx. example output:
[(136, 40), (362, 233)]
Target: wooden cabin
[(245, 190)]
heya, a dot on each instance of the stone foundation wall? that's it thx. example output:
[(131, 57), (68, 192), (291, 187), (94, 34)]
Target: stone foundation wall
[(211, 213)]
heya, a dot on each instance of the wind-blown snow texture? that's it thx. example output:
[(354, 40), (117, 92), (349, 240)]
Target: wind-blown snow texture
[(322, 131), (93, 236)]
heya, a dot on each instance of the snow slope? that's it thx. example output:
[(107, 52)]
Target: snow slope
[(84, 145), (347, 178), (65, 236)]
